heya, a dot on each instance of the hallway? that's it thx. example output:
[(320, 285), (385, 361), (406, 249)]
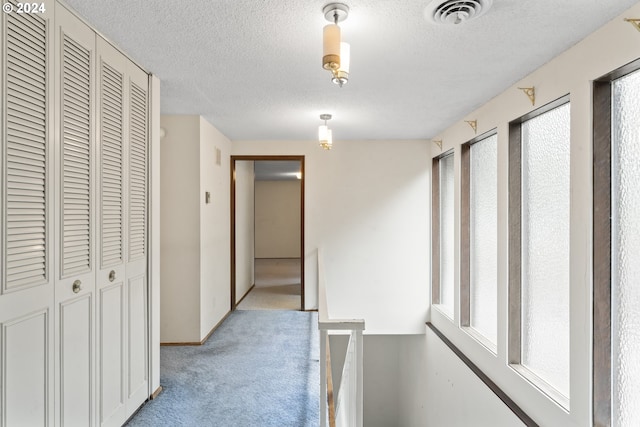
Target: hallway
[(259, 368), (477, 212)]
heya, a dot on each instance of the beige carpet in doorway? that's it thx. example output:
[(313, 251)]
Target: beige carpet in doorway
[(277, 286)]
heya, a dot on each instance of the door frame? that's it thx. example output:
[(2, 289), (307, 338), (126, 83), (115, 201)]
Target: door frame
[(232, 169)]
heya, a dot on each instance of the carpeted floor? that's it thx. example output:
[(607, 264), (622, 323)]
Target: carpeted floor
[(259, 369), (277, 285), (277, 271), (285, 297)]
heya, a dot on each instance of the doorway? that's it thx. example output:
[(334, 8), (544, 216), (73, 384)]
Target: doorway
[(267, 200)]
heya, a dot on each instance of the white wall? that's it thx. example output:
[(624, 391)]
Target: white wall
[(277, 219), (381, 380), (437, 389), (180, 229), (195, 289), (366, 204), (215, 260), (244, 227)]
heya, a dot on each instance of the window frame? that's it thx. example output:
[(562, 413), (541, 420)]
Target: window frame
[(514, 298), (465, 240), (602, 223), (435, 231)]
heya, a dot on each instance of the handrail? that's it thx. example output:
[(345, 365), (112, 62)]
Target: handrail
[(349, 408)]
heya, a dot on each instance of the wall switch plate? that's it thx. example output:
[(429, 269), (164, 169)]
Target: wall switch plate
[(207, 197)]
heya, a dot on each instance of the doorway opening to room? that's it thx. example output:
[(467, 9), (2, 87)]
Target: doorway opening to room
[(267, 232)]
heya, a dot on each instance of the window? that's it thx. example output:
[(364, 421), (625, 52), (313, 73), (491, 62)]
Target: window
[(443, 234), (625, 249), (539, 201), (617, 249), (479, 235)]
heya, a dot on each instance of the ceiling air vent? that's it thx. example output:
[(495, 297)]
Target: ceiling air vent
[(452, 12)]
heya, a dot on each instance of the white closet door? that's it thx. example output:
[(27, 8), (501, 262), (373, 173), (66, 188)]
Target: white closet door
[(137, 250), (75, 257), (26, 218), (111, 290)]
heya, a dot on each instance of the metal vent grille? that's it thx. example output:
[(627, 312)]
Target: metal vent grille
[(452, 12)]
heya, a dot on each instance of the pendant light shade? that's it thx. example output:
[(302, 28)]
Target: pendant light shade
[(345, 57), (331, 47), (325, 136), (335, 53), (323, 133)]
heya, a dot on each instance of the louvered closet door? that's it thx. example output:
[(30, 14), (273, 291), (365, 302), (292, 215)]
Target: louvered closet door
[(75, 258), (26, 219), (136, 247), (122, 279), (111, 290)]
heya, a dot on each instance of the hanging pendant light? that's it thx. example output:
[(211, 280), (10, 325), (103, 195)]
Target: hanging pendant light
[(325, 137), (335, 53)]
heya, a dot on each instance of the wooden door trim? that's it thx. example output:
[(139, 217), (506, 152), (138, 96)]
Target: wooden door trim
[(232, 181)]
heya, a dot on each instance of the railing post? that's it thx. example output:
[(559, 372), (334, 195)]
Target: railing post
[(323, 378), (359, 378)]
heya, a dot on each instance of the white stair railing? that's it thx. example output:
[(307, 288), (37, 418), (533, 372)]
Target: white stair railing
[(349, 402)]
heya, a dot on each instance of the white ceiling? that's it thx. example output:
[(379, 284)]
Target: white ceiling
[(253, 69)]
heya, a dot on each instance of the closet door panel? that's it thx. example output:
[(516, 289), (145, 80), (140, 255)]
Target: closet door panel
[(137, 223), (75, 255), (75, 358), (111, 393), (26, 218), (112, 293), (25, 370), (137, 340)]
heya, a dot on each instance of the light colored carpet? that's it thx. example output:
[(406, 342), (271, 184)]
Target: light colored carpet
[(286, 297), (258, 369), (277, 286), (277, 271)]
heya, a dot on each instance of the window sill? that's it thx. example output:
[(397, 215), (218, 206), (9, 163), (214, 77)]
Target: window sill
[(551, 392), (444, 310), (481, 339)]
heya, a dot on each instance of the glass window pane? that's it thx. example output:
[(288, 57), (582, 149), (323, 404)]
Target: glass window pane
[(446, 234), (545, 247), (625, 251), (484, 239)]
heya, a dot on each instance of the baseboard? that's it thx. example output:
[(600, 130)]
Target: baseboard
[(309, 310), (174, 344), (245, 294), (156, 393), (169, 344)]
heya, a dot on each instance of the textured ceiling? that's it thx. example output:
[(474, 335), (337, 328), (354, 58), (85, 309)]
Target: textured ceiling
[(252, 68)]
